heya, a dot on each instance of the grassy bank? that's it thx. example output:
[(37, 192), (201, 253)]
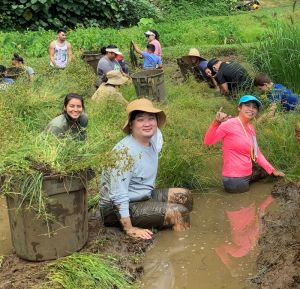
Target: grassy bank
[(26, 108)]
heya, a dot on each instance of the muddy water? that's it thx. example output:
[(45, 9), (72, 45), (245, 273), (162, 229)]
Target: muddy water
[(5, 239), (218, 252)]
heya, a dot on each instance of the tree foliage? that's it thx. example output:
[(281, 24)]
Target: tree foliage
[(52, 14)]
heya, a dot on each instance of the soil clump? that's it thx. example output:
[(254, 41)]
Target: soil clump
[(21, 274), (278, 262)]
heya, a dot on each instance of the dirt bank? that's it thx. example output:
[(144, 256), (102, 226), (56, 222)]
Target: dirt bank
[(278, 263), (21, 274)]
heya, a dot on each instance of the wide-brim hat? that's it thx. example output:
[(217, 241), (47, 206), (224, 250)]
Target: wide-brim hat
[(247, 98), (114, 50), (115, 77), (195, 52), (145, 105)]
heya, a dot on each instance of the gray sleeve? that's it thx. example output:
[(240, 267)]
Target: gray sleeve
[(115, 186), (103, 67)]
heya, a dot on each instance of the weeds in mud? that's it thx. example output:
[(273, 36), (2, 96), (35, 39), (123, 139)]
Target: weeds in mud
[(86, 271)]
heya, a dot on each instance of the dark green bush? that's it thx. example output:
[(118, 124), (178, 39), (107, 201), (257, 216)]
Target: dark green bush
[(50, 14)]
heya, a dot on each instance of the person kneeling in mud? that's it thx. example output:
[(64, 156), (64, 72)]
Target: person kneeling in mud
[(239, 146), (128, 196)]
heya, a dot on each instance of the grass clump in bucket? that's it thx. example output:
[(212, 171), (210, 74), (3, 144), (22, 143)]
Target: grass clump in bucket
[(87, 271), (28, 154)]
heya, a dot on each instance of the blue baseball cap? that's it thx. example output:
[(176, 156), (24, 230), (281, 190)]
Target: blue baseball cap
[(247, 98)]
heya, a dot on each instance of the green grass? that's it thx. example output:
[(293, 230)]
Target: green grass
[(86, 271)]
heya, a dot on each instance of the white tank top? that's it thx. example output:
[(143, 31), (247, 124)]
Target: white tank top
[(61, 55)]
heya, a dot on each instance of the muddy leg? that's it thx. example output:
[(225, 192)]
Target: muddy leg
[(177, 217), (181, 196)]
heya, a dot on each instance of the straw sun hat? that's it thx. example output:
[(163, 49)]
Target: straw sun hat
[(115, 77), (195, 52), (145, 105)]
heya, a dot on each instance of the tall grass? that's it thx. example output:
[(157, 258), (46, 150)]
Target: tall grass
[(86, 271), (278, 54)]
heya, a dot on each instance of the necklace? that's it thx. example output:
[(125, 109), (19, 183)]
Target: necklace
[(253, 152)]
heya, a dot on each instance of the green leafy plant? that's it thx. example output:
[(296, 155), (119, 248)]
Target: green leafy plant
[(87, 271)]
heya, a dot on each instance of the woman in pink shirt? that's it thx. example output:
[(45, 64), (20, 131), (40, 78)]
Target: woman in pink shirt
[(153, 38), (239, 145)]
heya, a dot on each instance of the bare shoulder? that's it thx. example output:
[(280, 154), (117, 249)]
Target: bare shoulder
[(52, 44)]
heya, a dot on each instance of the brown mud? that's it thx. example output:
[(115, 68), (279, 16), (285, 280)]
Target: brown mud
[(278, 262), (21, 274)]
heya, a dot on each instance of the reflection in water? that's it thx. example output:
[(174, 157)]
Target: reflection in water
[(5, 238), (244, 228), (224, 230)]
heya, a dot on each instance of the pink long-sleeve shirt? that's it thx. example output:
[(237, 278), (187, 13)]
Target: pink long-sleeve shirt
[(236, 147)]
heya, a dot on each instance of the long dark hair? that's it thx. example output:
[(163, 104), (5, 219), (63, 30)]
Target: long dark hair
[(69, 97), (156, 34)]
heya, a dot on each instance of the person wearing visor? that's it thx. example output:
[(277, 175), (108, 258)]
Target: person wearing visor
[(153, 38), (108, 63), (128, 195), (239, 145), (230, 76)]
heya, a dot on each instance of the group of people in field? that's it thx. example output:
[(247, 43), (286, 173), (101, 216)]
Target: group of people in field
[(129, 198)]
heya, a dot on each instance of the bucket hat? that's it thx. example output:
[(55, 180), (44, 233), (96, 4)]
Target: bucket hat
[(145, 105), (115, 77), (114, 50), (247, 98)]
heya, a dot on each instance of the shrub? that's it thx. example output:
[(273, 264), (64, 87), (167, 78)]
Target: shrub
[(34, 14)]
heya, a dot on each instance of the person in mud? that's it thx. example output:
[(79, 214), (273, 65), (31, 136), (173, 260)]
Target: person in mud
[(107, 63), (109, 88), (60, 50), (153, 38), (276, 93), (151, 60), (128, 197), (18, 62), (230, 76), (239, 145), (72, 121)]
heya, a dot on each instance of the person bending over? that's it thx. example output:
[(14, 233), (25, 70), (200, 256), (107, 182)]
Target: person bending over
[(230, 76), (239, 145), (276, 93), (73, 120), (128, 196)]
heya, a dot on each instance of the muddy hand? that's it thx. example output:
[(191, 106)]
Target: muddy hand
[(221, 116), (278, 174), (139, 233)]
